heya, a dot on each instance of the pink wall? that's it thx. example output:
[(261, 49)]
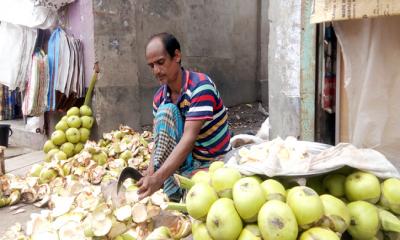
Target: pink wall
[(79, 23)]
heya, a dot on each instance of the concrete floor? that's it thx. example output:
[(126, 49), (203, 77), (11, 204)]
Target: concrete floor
[(18, 161), (21, 163)]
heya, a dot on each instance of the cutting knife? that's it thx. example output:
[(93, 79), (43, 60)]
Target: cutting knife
[(128, 172)]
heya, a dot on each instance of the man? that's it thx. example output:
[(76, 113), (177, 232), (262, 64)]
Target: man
[(190, 120)]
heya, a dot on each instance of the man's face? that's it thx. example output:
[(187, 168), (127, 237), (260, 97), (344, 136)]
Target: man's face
[(164, 67)]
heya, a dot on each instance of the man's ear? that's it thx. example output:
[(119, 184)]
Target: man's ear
[(177, 56)]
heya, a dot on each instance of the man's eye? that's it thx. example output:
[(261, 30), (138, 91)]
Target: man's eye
[(151, 65), (161, 62)]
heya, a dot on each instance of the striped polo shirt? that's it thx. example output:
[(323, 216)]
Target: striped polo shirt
[(200, 100)]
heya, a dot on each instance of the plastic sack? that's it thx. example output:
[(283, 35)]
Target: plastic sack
[(308, 159), (345, 154)]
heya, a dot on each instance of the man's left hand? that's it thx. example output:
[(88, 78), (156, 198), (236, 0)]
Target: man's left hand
[(148, 185)]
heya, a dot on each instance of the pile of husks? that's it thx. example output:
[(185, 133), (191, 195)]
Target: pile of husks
[(76, 208)]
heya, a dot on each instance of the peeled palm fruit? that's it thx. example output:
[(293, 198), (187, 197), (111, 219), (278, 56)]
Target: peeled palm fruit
[(334, 184), (364, 223), (199, 200), (318, 233), (276, 221), (250, 232), (74, 121), (336, 213), (248, 198), (306, 206), (62, 125), (273, 190), (48, 145), (58, 137), (87, 122), (223, 179), (85, 110), (74, 111), (362, 186), (223, 222), (390, 198)]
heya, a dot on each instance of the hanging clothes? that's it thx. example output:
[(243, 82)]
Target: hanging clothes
[(10, 103), (61, 81), (66, 83), (36, 91), (16, 48), (53, 53)]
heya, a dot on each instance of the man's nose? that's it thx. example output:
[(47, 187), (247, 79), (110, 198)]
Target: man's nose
[(156, 70)]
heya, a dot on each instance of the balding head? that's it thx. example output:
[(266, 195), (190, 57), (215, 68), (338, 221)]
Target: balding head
[(169, 43)]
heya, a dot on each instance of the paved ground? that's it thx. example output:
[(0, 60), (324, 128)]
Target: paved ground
[(18, 161), (246, 118), (20, 165)]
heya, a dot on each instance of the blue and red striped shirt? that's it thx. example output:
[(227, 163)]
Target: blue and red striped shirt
[(200, 100)]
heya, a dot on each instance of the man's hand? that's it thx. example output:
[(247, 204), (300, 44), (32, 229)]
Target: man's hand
[(153, 181), (148, 185)]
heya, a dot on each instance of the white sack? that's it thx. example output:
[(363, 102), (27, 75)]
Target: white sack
[(25, 13)]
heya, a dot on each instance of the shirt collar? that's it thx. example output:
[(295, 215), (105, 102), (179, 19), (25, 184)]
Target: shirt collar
[(184, 86)]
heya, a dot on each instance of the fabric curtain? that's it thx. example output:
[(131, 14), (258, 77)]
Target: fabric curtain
[(372, 82)]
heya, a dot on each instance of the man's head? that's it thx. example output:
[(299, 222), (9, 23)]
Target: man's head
[(163, 55)]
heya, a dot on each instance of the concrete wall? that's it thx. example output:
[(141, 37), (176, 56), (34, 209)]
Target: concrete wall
[(218, 37), (263, 32), (117, 98), (284, 67), (226, 39), (79, 23)]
